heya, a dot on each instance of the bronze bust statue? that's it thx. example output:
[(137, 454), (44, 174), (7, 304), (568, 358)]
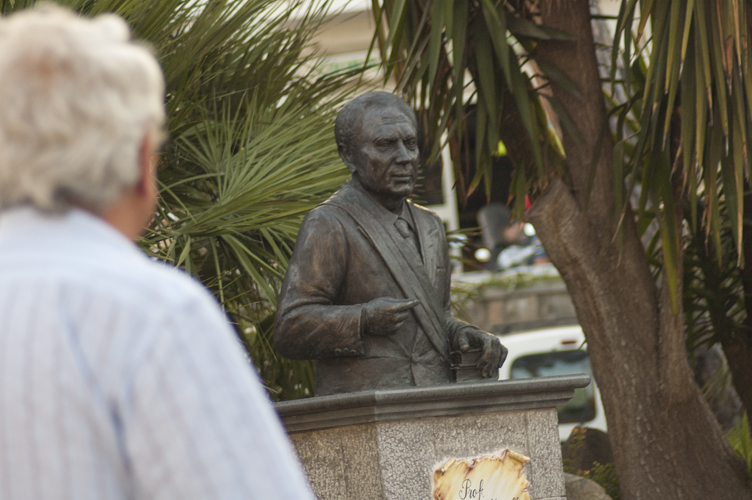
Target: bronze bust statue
[(366, 294)]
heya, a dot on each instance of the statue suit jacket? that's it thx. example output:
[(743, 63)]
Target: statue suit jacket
[(347, 253)]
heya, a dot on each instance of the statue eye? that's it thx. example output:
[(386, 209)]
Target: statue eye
[(411, 143)]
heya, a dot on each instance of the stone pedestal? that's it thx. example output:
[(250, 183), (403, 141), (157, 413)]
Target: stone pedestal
[(386, 444)]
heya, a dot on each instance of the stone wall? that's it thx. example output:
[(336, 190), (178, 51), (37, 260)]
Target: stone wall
[(496, 307)]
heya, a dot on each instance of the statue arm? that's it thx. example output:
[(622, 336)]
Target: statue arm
[(461, 333), (309, 324), (453, 325)]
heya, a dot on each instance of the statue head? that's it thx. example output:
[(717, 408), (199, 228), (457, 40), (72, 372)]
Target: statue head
[(377, 139)]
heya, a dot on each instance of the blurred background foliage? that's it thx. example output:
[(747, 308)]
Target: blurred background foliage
[(250, 149)]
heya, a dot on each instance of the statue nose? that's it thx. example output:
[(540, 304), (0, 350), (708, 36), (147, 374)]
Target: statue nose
[(404, 155)]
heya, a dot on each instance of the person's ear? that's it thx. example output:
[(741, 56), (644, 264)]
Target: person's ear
[(345, 154), (146, 178)]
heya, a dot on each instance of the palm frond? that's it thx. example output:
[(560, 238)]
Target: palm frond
[(432, 45)]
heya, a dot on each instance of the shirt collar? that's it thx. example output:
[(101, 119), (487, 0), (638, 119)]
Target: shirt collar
[(29, 223)]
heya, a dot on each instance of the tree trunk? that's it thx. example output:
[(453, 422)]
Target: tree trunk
[(667, 443)]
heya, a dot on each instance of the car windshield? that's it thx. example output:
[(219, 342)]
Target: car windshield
[(579, 409)]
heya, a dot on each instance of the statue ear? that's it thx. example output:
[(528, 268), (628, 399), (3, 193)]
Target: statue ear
[(345, 154)]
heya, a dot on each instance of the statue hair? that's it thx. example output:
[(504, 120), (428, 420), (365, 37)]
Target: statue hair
[(349, 119)]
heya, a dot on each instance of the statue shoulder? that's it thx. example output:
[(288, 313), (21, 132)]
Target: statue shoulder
[(327, 219), (322, 227), (323, 215), (426, 215)]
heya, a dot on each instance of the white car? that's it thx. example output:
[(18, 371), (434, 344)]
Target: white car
[(556, 351)]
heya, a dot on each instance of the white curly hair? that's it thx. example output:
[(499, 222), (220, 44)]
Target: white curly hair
[(77, 98)]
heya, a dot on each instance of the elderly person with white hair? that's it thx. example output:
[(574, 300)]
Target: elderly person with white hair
[(120, 378)]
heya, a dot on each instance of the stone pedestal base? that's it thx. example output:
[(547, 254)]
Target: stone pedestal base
[(386, 444)]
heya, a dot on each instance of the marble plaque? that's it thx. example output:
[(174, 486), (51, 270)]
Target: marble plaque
[(499, 476)]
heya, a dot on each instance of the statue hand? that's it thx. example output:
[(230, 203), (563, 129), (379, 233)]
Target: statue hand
[(385, 315), (494, 353)]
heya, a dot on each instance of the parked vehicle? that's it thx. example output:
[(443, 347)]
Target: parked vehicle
[(553, 351)]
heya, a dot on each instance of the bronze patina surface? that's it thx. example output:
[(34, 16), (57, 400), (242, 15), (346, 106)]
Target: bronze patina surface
[(367, 290)]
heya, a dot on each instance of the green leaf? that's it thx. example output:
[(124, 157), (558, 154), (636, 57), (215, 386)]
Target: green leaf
[(687, 26), (693, 189), (521, 27), (623, 26), (701, 104), (434, 47), (741, 441), (669, 233), (485, 67), (712, 188), (458, 53), (702, 46), (673, 67), (733, 189), (556, 34), (661, 33), (717, 50), (480, 138), (558, 77), (734, 181), (674, 43), (647, 8), (448, 14), (496, 24), (688, 112), (395, 37), (185, 253), (566, 121), (524, 106), (395, 20)]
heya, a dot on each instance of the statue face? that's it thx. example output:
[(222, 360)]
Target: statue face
[(386, 155)]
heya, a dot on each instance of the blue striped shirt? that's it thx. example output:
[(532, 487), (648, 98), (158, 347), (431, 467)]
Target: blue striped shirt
[(120, 377)]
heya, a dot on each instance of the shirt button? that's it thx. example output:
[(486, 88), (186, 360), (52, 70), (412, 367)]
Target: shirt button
[(414, 358)]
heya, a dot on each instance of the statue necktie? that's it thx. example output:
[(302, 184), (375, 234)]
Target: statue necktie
[(404, 229)]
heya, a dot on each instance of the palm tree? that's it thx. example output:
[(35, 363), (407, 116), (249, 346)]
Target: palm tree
[(250, 151), (680, 134)]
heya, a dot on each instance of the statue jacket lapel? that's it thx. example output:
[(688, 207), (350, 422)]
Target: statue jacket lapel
[(402, 259)]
